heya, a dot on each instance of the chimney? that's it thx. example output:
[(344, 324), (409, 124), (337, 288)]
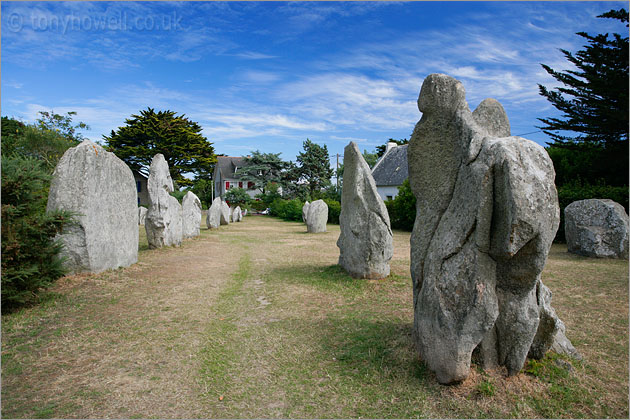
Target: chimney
[(390, 145)]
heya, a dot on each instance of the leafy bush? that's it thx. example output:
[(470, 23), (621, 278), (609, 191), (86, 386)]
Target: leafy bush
[(334, 208), (237, 197), (287, 209), (30, 255), (270, 195), (575, 191), (402, 209), (179, 195)]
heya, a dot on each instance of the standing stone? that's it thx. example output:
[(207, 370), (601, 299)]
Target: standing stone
[(142, 214), (164, 218), (244, 212), (191, 210), (225, 214), (100, 188), (305, 211), (237, 216), (486, 214), (596, 228), (317, 217), (213, 218), (366, 241)]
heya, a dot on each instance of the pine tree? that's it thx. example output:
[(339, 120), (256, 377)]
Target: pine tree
[(314, 167)]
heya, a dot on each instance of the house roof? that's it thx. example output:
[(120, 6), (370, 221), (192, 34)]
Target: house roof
[(392, 169), (228, 165)]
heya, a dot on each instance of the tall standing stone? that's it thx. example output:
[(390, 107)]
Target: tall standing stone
[(100, 188), (225, 215), (317, 217), (164, 218), (142, 215), (366, 241), (213, 218), (191, 210), (596, 228), (486, 214), (305, 211)]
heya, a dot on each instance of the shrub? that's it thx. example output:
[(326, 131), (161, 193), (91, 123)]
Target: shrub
[(402, 209), (179, 195), (577, 190), (30, 255), (237, 197), (287, 209), (334, 208)]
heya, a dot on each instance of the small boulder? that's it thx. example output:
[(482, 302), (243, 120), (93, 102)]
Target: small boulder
[(100, 188), (142, 214), (596, 228), (317, 217), (305, 211), (237, 216), (191, 210), (213, 217), (164, 218), (366, 241)]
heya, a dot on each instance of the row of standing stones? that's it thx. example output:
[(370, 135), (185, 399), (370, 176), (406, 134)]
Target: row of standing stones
[(487, 211)]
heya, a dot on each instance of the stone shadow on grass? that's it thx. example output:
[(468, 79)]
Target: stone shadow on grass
[(325, 277)]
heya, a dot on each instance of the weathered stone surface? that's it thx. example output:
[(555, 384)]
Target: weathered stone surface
[(225, 214), (213, 217), (164, 219), (244, 212), (305, 211), (237, 215), (100, 188), (596, 228), (142, 214), (487, 211), (191, 210), (366, 241), (317, 217)]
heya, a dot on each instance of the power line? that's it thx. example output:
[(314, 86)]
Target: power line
[(533, 132)]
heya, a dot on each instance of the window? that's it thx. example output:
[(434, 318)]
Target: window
[(250, 185), (389, 197), (227, 185), (139, 186), (240, 184)]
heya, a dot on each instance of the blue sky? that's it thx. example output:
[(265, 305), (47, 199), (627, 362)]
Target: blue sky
[(266, 76)]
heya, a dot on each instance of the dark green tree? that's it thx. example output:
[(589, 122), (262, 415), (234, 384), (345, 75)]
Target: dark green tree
[(594, 105), (203, 189), (237, 197), (179, 139), (314, 167), (263, 168)]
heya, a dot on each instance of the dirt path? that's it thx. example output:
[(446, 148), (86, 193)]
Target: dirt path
[(123, 343)]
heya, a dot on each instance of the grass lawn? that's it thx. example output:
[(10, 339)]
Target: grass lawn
[(256, 320)]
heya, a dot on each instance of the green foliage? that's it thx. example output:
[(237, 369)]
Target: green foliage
[(44, 140), (402, 209), (594, 110), (270, 195), (203, 189), (237, 197), (287, 209), (179, 195), (577, 190), (176, 137), (334, 208), (380, 150), (314, 167), (262, 169), (30, 256), (486, 388)]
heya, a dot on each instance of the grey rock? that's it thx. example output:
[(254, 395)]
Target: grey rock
[(142, 214), (237, 215), (225, 215), (100, 188), (191, 210), (213, 217), (366, 241), (244, 212), (317, 217), (487, 211), (164, 218), (305, 211), (596, 228)]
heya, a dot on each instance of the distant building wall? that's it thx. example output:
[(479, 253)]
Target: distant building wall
[(142, 189), (388, 192)]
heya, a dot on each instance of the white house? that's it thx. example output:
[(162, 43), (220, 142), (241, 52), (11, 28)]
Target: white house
[(391, 170), (226, 176)]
